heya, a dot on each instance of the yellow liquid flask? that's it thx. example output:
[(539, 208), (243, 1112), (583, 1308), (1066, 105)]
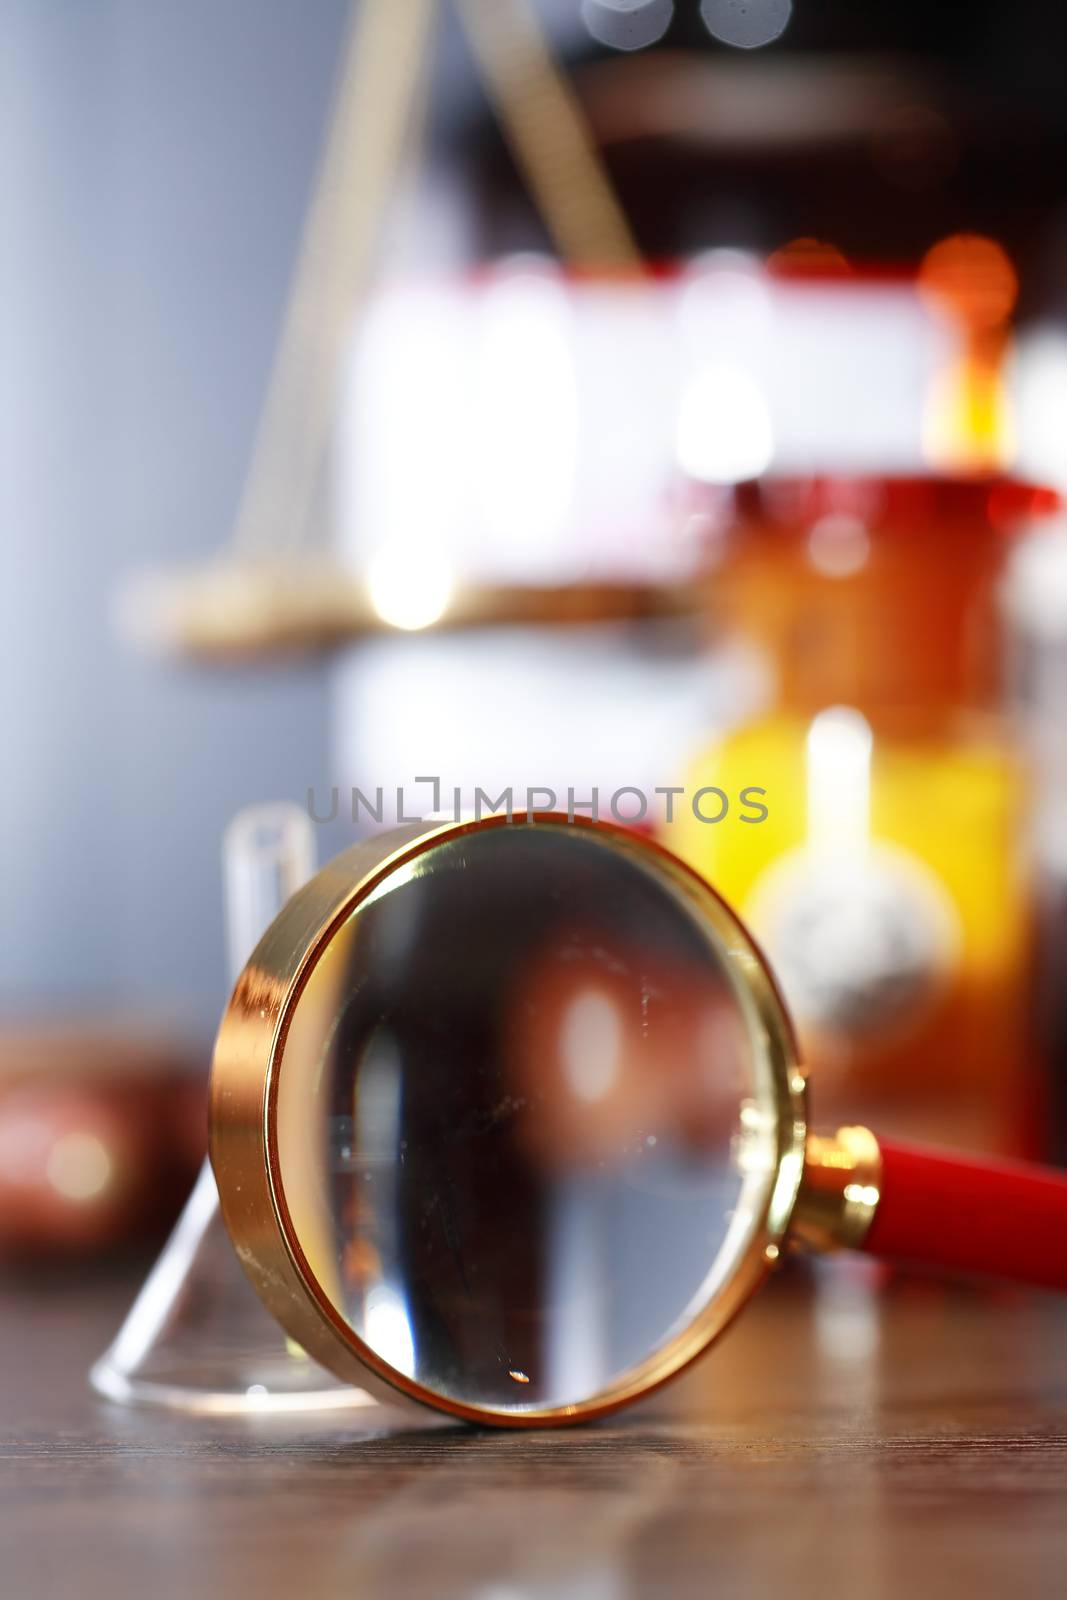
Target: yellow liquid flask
[(888, 878)]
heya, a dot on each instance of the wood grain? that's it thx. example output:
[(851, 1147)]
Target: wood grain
[(844, 1439)]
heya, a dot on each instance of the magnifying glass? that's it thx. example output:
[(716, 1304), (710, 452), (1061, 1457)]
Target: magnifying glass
[(508, 1119)]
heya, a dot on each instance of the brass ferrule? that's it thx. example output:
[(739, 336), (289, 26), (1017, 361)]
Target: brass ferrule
[(839, 1191)]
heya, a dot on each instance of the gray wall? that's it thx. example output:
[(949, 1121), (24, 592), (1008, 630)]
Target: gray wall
[(154, 162)]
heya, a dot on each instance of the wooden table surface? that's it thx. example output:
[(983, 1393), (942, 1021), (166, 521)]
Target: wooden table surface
[(842, 1440)]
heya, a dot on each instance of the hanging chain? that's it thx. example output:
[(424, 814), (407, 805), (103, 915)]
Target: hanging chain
[(549, 135), (377, 95), (380, 91)]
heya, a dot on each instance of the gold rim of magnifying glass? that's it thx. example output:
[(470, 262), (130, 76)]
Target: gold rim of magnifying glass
[(243, 1116)]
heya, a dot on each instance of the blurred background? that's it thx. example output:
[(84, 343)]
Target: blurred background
[(580, 393)]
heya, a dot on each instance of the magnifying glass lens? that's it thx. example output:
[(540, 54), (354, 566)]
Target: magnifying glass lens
[(525, 1124)]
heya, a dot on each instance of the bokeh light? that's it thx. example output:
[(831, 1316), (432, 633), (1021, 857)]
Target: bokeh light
[(746, 24), (627, 24), (725, 432), (409, 588), (973, 276)]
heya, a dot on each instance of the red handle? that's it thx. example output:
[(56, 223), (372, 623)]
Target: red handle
[(1004, 1218)]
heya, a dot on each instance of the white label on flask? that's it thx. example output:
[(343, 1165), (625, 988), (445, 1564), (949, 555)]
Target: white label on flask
[(862, 944)]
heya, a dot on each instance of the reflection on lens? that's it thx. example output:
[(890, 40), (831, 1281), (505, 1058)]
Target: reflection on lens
[(523, 1122)]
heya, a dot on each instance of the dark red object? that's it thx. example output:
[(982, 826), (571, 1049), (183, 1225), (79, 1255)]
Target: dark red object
[(1002, 1218), (101, 1132), (901, 504)]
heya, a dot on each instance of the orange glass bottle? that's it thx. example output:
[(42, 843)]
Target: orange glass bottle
[(888, 878)]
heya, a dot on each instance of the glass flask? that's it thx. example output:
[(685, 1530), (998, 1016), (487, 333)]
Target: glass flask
[(196, 1338), (882, 862)]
